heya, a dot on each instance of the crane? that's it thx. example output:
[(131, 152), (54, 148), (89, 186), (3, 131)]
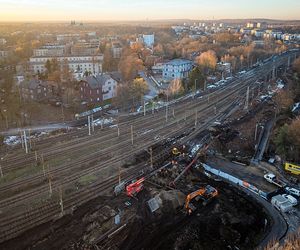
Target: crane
[(135, 187), (201, 153)]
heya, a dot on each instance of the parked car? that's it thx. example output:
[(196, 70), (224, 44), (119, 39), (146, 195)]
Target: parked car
[(291, 199), (293, 191)]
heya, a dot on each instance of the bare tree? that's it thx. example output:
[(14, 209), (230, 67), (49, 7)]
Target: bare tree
[(207, 60)]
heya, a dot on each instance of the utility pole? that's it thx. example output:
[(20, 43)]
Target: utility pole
[(89, 124), (25, 141), (36, 157), (196, 118), (1, 172), (61, 200), (247, 99), (195, 87), (173, 113), (144, 108), (151, 157), (22, 139), (93, 125), (152, 108), (131, 135), (119, 175), (167, 113), (29, 136), (62, 113), (43, 164), (50, 181), (204, 86), (118, 131), (255, 135)]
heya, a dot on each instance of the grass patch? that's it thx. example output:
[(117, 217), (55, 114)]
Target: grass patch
[(87, 179), (18, 173)]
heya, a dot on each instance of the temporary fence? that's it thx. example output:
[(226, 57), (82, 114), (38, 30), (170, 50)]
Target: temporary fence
[(235, 180)]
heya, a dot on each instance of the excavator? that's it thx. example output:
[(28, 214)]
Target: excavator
[(206, 193)]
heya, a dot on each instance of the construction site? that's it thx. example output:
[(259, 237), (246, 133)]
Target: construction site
[(194, 212), (191, 177)]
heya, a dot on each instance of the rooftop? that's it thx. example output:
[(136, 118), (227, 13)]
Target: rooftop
[(96, 81), (177, 62)]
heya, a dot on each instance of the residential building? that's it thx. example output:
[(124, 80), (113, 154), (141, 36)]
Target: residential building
[(67, 37), (148, 40), (2, 41), (177, 69), (5, 53), (224, 68), (38, 90), (50, 50), (116, 50), (84, 48), (158, 68), (92, 64), (95, 89)]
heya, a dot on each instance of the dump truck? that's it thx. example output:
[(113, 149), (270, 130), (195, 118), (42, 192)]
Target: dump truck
[(274, 180)]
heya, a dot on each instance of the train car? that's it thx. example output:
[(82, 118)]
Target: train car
[(294, 169)]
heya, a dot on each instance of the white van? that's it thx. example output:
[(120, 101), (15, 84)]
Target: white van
[(291, 199), (293, 191)]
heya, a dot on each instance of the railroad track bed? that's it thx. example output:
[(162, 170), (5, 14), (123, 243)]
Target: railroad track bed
[(156, 131)]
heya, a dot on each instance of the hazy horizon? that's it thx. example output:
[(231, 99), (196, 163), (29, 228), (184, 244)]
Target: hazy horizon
[(133, 10)]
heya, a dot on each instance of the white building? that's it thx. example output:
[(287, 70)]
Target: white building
[(92, 64), (2, 41), (67, 37), (148, 40), (177, 69), (5, 53), (224, 68), (50, 50), (116, 50)]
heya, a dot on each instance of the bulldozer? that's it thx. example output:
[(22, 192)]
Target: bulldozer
[(204, 193)]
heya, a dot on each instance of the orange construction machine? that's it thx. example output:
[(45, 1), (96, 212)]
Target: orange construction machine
[(206, 194), (135, 187)]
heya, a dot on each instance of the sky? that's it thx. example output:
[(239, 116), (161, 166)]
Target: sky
[(108, 10)]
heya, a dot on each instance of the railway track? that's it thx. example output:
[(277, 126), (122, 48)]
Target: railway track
[(13, 201), (78, 143), (10, 227)]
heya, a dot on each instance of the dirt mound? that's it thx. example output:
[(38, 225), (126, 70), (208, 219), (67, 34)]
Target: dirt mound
[(170, 200)]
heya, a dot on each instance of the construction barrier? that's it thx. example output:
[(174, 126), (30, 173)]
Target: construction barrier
[(235, 180)]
